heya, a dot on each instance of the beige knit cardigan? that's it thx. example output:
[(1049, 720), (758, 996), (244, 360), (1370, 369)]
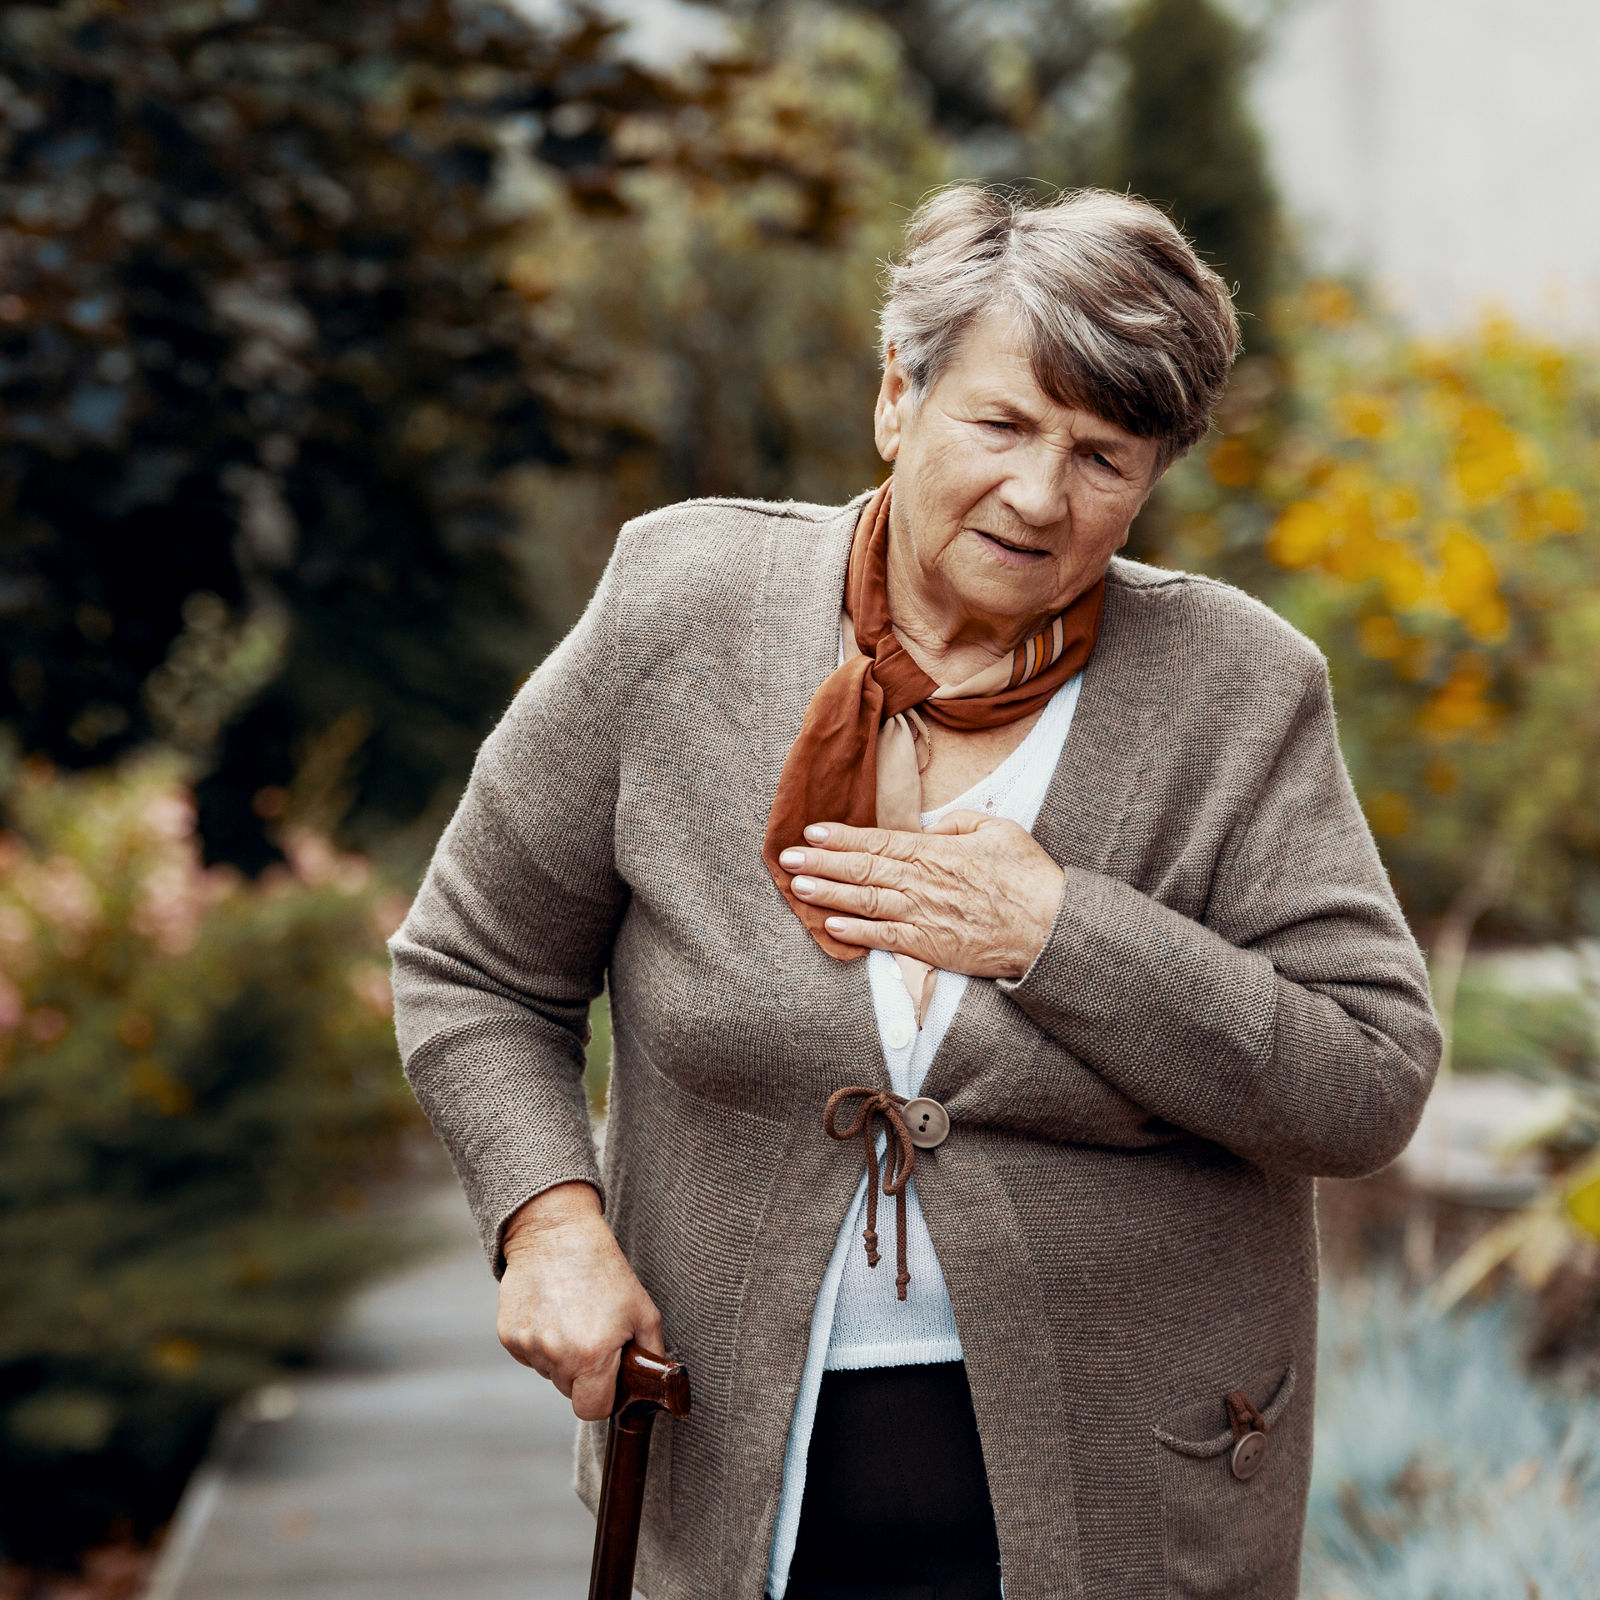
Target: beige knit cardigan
[(1228, 1005)]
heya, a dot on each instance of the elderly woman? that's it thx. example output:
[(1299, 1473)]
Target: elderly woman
[(1133, 976)]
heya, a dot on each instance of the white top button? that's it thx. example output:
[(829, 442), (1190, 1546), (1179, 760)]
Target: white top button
[(898, 1035)]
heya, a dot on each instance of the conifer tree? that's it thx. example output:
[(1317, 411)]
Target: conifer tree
[(1185, 139)]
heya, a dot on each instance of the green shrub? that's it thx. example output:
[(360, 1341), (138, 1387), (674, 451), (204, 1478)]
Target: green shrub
[(1549, 1036), (197, 1080), (597, 1061)]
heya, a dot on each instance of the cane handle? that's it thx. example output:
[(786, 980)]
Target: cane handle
[(648, 1382)]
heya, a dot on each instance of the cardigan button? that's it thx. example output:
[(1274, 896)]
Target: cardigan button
[(927, 1122), (1248, 1455)]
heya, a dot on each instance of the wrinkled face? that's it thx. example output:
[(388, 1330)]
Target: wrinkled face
[(1008, 503)]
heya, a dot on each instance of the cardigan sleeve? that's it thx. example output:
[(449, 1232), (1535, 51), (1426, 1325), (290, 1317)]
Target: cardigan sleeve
[(508, 939), (1291, 1025)]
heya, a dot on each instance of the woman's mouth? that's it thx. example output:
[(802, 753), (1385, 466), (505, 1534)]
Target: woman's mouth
[(1008, 554)]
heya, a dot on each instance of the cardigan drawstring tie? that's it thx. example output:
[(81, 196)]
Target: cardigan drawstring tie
[(899, 1159)]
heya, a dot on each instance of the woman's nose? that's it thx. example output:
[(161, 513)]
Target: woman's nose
[(1038, 493)]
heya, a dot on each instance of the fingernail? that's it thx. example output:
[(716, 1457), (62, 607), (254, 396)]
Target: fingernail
[(836, 924), (804, 885), (817, 832), (792, 859)]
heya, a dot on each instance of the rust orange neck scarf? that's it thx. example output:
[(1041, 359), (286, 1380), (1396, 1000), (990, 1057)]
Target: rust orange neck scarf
[(863, 742)]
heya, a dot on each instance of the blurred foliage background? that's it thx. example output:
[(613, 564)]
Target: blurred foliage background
[(197, 1087), (336, 342)]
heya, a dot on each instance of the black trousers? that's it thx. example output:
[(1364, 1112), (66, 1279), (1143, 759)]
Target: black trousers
[(896, 1503)]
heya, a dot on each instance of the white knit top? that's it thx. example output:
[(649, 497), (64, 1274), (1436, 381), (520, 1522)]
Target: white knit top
[(858, 1321)]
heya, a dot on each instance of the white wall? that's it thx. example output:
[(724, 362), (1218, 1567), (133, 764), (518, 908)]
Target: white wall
[(1451, 147)]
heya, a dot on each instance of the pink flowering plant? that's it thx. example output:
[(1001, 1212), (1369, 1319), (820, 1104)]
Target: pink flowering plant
[(198, 1086)]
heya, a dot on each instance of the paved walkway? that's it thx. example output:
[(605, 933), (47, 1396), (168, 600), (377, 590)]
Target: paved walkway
[(419, 1463)]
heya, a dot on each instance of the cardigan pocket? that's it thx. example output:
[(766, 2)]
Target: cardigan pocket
[(1223, 1537)]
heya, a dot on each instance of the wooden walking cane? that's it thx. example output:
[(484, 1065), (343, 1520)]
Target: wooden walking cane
[(646, 1383)]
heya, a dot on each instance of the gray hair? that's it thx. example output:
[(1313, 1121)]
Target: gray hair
[(1119, 314)]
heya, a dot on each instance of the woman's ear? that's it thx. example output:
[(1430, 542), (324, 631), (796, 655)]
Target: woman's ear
[(894, 394)]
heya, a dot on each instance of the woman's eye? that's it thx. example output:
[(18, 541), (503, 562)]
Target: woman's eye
[(1102, 461), (1001, 426)]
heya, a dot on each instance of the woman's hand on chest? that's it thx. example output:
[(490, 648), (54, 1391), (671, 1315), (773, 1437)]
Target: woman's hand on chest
[(974, 894)]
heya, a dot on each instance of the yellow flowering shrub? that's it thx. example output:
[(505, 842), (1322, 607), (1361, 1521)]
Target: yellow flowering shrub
[(1429, 511), (197, 1082)]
